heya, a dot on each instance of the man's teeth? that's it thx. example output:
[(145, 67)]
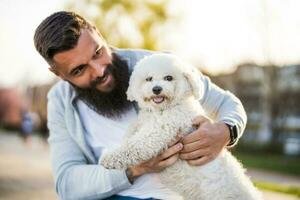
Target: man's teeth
[(104, 78)]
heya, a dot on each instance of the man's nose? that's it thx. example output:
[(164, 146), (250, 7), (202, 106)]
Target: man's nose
[(97, 69), (157, 89)]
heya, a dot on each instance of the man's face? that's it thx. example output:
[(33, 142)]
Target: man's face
[(86, 63)]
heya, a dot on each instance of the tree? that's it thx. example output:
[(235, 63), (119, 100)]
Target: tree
[(127, 23)]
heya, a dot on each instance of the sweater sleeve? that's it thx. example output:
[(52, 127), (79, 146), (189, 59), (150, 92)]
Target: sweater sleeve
[(75, 177), (223, 106)]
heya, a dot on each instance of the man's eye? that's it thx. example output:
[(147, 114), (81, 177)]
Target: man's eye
[(99, 52), (78, 71), (149, 79), (168, 78)]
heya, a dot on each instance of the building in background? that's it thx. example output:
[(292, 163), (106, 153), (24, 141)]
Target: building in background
[(271, 97), (37, 96), (25, 111), (11, 106)]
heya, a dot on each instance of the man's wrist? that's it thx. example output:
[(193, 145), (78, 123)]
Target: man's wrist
[(129, 175), (225, 130), (133, 172)]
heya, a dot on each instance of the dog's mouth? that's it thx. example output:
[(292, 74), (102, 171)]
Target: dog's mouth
[(158, 99)]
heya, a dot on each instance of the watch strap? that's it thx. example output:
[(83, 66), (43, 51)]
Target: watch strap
[(233, 134)]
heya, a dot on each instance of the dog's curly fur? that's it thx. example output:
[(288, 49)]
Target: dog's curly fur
[(162, 115)]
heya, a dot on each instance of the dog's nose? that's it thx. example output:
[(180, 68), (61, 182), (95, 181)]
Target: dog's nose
[(156, 89)]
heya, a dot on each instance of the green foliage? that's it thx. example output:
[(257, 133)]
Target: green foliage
[(127, 23), (278, 188), (277, 163), (257, 147)]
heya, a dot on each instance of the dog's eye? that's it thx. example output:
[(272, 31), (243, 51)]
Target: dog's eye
[(149, 79), (168, 78)]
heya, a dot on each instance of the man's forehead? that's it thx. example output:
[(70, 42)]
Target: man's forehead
[(89, 36)]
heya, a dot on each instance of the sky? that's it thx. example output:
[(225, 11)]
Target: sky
[(216, 35), (223, 34), (19, 61)]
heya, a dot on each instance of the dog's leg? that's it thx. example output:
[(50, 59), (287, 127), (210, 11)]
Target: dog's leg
[(142, 146)]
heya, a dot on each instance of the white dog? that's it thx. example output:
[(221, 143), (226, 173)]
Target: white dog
[(167, 91)]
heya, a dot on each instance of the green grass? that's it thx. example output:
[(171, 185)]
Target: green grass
[(271, 162), (275, 163), (278, 188)]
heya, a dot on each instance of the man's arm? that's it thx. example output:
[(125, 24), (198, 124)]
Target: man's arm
[(204, 144), (74, 177), (223, 106)]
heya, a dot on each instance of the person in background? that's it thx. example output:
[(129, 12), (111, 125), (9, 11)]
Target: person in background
[(26, 128)]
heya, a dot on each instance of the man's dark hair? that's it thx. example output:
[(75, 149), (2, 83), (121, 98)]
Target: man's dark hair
[(57, 33)]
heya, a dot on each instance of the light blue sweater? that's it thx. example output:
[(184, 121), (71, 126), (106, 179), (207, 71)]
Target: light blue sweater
[(75, 169)]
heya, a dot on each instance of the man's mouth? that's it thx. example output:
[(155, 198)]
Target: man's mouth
[(102, 80)]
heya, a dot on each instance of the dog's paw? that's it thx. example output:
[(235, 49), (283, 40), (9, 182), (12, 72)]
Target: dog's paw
[(107, 161), (111, 161)]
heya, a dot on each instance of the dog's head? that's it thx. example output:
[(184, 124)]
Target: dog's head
[(161, 80)]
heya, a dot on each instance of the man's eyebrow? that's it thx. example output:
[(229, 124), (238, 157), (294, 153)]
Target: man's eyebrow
[(98, 47)]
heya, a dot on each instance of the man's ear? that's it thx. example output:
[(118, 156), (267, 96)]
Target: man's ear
[(51, 69), (54, 71)]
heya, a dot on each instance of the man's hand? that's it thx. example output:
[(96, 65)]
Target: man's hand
[(158, 163), (204, 144)]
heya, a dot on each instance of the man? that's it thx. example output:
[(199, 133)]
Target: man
[(88, 112)]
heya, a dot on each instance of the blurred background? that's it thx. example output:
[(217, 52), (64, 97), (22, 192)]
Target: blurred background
[(249, 47)]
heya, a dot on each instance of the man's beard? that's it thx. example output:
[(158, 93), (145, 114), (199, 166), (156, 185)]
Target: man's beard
[(109, 104)]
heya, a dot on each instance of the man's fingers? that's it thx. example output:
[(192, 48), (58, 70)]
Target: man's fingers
[(171, 151), (197, 134), (194, 155), (199, 120), (199, 144), (201, 161), (169, 161), (177, 139), (192, 137)]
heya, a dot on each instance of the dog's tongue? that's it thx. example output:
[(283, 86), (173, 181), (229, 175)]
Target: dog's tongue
[(158, 99)]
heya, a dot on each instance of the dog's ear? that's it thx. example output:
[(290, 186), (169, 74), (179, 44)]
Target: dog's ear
[(129, 93), (131, 89), (193, 77)]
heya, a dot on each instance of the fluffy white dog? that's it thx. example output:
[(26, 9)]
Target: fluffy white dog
[(167, 91)]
